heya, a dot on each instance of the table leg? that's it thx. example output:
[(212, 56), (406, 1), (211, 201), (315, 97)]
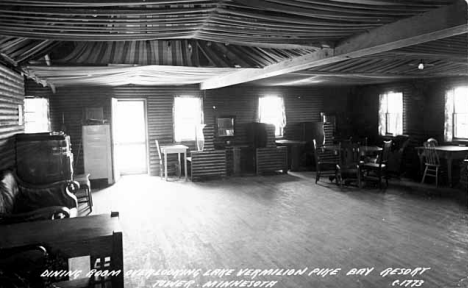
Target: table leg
[(165, 166), (117, 260), (185, 165), (178, 158)]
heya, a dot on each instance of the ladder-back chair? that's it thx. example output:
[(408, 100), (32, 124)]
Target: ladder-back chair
[(432, 162), (161, 164), (348, 168)]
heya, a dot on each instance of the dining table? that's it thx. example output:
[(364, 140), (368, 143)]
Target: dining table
[(447, 152)]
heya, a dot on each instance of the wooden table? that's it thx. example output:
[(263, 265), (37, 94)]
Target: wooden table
[(97, 236), (293, 151), (446, 152), (175, 149)]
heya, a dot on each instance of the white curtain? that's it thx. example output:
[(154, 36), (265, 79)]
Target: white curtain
[(391, 113), (449, 109), (383, 107), (271, 110)]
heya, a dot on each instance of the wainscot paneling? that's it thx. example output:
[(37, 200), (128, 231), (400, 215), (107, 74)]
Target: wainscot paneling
[(11, 98)]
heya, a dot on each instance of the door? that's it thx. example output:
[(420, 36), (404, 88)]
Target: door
[(130, 138)]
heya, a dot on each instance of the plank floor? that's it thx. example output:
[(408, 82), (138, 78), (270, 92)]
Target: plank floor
[(287, 222)]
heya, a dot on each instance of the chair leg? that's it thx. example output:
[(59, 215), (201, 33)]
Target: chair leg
[(424, 175), (90, 199), (359, 178), (161, 169), (317, 176), (437, 176)]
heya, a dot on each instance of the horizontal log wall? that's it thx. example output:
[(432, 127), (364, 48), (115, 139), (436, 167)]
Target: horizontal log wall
[(271, 159), (11, 97), (301, 105), (423, 113), (210, 163), (67, 112), (68, 104)]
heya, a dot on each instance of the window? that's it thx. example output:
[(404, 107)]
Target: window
[(36, 115), (391, 113), (271, 111), (188, 114), (456, 114)]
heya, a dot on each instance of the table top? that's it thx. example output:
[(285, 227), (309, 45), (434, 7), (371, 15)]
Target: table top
[(58, 231), (447, 148), (371, 148), (177, 148), (362, 148), (290, 142)]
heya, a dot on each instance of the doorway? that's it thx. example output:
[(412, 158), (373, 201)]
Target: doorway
[(130, 136)]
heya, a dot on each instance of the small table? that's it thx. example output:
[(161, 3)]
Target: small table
[(175, 149), (97, 236), (294, 151), (446, 152)]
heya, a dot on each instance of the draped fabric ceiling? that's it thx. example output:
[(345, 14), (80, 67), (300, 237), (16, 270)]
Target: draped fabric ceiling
[(184, 42)]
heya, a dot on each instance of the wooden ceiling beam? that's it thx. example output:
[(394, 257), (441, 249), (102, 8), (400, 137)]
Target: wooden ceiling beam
[(433, 25)]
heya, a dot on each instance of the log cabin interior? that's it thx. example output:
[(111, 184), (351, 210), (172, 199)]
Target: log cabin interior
[(319, 143)]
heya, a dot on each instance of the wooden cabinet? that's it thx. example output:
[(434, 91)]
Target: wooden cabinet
[(97, 152)]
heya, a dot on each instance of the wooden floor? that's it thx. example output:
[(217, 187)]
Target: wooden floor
[(288, 222)]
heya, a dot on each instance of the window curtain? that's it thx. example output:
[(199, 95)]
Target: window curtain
[(383, 108), (283, 113), (449, 109), (391, 113), (188, 115), (396, 110), (264, 115)]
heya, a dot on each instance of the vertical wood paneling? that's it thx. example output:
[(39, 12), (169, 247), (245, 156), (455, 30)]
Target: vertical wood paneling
[(11, 96)]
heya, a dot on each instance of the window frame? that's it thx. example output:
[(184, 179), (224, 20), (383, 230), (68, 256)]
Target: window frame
[(46, 123), (176, 119), (384, 116), (455, 114)]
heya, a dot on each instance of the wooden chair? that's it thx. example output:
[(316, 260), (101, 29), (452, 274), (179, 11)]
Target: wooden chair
[(325, 163), (348, 169), (161, 163), (433, 141), (432, 162), (84, 194), (378, 169)]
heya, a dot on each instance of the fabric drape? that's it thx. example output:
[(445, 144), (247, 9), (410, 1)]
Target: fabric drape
[(271, 110)]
